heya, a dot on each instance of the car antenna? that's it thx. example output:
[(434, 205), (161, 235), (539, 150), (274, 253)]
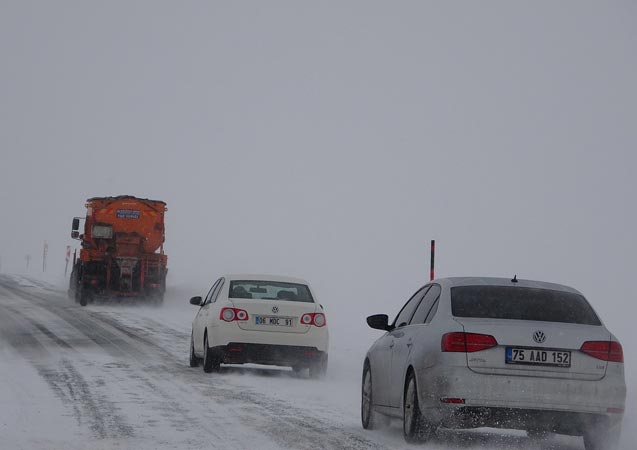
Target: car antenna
[(515, 279)]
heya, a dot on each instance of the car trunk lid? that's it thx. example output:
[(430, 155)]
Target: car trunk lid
[(274, 315), (536, 349)]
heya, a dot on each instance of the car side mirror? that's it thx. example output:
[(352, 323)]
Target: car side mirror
[(196, 301), (379, 322)]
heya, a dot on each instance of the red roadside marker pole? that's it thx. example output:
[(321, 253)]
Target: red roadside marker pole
[(431, 265)]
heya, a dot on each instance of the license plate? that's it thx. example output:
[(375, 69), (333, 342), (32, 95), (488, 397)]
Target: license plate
[(274, 321), (538, 357)]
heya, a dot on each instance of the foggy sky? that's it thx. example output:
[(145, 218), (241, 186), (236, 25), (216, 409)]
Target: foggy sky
[(332, 140)]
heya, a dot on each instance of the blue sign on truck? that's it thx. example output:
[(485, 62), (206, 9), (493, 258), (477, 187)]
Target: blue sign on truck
[(127, 214)]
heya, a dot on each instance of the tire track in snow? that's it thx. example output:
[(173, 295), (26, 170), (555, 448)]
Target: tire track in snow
[(72, 388), (130, 364), (41, 328), (110, 342), (62, 377)]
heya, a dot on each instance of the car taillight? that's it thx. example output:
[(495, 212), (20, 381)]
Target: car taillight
[(466, 342), (232, 314), (319, 320), (605, 350), (316, 319)]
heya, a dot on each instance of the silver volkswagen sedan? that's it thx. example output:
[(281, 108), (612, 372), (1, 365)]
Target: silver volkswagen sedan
[(495, 352)]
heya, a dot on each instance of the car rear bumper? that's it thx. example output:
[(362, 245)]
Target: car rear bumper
[(562, 422), (226, 333), (606, 396), (276, 355)]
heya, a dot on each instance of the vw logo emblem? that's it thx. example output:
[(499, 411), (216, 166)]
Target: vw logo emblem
[(539, 336), (275, 309)]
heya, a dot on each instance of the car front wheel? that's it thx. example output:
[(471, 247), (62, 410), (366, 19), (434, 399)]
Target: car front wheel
[(368, 416), (194, 361)]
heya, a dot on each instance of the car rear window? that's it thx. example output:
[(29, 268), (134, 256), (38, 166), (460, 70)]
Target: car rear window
[(270, 290), (521, 303)]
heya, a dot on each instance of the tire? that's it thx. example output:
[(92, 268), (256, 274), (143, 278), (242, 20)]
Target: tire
[(84, 296), (319, 368), (194, 361), (370, 419), (74, 286), (602, 436), (71, 290), (415, 428), (210, 360), (156, 299)]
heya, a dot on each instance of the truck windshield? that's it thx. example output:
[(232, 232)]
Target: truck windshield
[(270, 290), (519, 303)]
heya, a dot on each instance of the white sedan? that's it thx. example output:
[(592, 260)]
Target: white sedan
[(260, 319), (476, 352)]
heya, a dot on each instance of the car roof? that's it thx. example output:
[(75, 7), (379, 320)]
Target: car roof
[(265, 277), (493, 281)]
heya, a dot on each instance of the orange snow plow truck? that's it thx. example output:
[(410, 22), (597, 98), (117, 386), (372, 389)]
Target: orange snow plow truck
[(122, 250)]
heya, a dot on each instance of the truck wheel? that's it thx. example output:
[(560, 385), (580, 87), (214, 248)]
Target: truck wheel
[(155, 298), (77, 293), (159, 299), (72, 292), (83, 297)]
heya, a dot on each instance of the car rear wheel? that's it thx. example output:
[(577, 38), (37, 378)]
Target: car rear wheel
[(602, 436), (318, 369), (194, 361), (415, 428), (210, 360)]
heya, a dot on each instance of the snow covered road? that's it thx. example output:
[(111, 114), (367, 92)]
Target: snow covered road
[(116, 376)]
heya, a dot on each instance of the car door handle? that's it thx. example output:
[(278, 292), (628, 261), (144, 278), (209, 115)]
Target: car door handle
[(409, 344), (391, 345)]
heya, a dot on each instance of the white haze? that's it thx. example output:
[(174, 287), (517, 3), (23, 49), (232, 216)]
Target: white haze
[(332, 141)]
